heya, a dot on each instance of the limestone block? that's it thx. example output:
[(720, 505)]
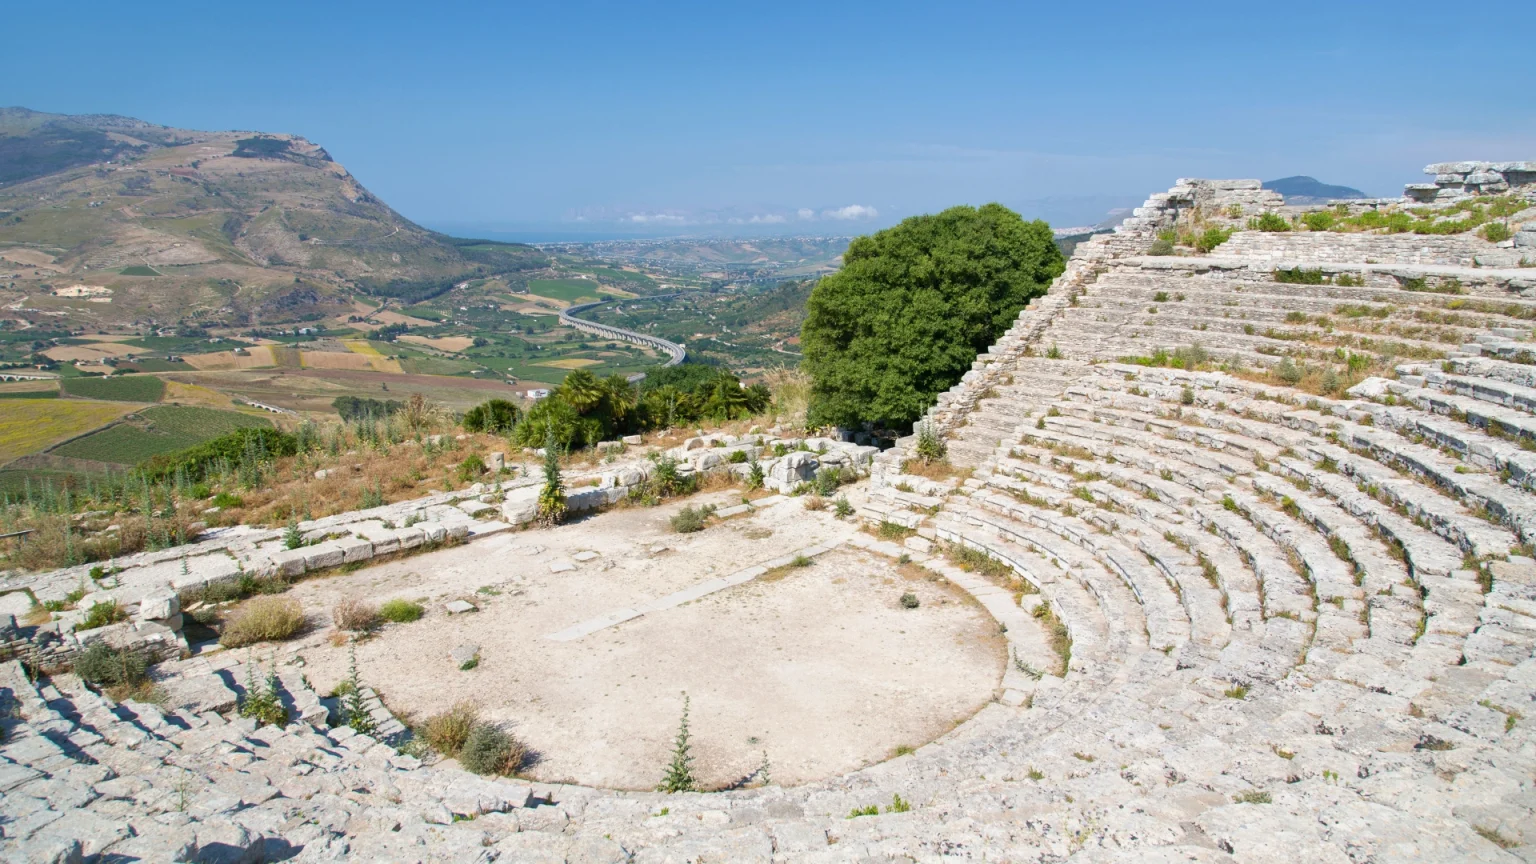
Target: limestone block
[(695, 444), (159, 604), (288, 562), (585, 556), (474, 508), (7, 626), (585, 499), (323, 555), (633, 440), (631, 477), (459, 607), (707, 460), (561, 567), (168, 624), (918, 544), (411, 537), (521, 505), (464, 653), (437, 532), (496, 461), (355, 549)]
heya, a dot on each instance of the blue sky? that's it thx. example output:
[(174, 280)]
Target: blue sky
[(815, 117)]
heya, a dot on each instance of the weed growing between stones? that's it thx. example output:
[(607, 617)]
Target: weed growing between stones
[(354, 710), (261, 702), (909, 601), (930, 447), (841, 508), (679, 775), (100, 615), (293, 538), (1252, 796)]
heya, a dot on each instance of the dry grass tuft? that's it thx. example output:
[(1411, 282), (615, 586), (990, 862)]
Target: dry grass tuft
[(263, 619), (356, 615), (447, 732)]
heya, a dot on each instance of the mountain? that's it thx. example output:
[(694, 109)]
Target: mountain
[(1309, 190), (217, 227)]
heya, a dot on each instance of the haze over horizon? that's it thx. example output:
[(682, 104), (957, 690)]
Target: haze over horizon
[(616, 119)]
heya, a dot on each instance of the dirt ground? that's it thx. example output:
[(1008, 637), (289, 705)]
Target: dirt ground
[(819, 667)]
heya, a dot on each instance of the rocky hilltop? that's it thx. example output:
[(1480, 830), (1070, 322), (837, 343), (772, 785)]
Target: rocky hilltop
[(1255, 483), (216, 227)]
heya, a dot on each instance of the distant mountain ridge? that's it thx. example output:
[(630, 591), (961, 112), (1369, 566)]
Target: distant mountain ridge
[(237, 227), (1309, 190)]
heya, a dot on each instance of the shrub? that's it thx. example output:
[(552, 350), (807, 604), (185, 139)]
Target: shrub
[(691, 519), (827, 481), (293, 538), (1160, 297), (841, 507), (755, 475), (106, 666), (1160, 246), (447, 732), (1288, 372), (909, 601), (263, 619), (489, 750), (1349, 280), (353, 614), (1298, 276), (225, 501), (1270, 222), (472, 466), (738, 457), (1053, 352), (101, 614), (496, 416), (1211, 238), (1319, 221), (400, 611), (1187, 396), (1496, 232)]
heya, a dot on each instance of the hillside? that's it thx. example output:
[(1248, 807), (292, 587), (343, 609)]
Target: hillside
[(137, 222), (1309, 190)]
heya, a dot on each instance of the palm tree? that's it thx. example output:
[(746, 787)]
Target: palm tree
[(581, 390)]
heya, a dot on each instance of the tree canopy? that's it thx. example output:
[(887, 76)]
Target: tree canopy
[(913, 306)]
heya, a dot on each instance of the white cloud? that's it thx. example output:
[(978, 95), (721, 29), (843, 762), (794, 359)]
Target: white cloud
[(662, 218), (806, 213), (851, 212), (770, 219)]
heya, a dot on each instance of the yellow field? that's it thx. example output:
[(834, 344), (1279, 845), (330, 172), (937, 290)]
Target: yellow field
[(378, 361), (93, 351), (192, 394), (616, 292), (259, 356), (334, 360), (571, 363), (454, 344), (33, 425)]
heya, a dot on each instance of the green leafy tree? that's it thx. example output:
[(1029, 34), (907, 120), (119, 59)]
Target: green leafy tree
[(913, 306), (552, 496)]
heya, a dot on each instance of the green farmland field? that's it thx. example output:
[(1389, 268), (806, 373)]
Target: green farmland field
[(569, 290), (130, 388), (162, 430)]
